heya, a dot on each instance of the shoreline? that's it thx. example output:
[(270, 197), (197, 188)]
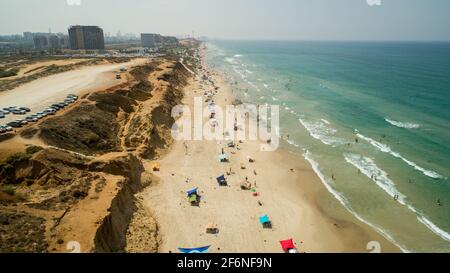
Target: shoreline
[(291, 199)]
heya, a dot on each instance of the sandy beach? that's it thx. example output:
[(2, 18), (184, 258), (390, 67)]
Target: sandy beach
[(288, 191)]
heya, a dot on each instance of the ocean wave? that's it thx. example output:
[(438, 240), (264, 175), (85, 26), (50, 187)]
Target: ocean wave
[(292, 143), (326, 121), (344, 202), (231, 60), (444, 235), (368, 167), (323, 132), (386, 149), (254, 86), (248, 71), (238, 55), (407, 125)]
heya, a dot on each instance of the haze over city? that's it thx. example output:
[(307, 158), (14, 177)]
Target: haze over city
[(236, 19)]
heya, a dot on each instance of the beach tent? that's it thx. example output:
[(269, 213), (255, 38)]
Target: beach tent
[(212, 228), (265, 221), (246, 186), (195, 250), (221, 180), (193, 199), (223, 158), (288, 245), (192, 192)]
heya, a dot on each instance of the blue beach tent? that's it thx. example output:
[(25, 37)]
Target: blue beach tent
[(193, 191), (264, 219), (195, 250), (221, 180)]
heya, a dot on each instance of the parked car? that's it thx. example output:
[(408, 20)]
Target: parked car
[(18, 112), (72, 96), (22, 121), (31, 119), (26, 109), (50, 111), (5, 111), (56, 106), (15, 124), (7, 128), (2, 130), (2, 115)]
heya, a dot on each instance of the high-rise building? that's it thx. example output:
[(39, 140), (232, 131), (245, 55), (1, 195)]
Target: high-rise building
[(154, 40), (41, 42), (86, 37)]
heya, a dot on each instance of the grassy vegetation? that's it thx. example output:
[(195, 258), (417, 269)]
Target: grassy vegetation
[(33, 149), (8, 73)]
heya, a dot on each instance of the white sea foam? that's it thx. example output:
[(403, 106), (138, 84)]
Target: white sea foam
[(368, 167), (340, 197), (254, 86), (230, 60), (444, 235), (248, 71), (326, 121), (323, 132), (266, 85), (292, 143), (238, 55), (407, 125), (386, 149)]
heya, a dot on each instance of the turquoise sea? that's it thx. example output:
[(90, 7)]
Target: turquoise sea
[(375, 116)]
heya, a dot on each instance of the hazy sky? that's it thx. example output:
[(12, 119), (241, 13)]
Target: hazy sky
[(238, 19)]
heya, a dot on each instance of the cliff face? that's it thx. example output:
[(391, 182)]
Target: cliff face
[(82, 187)]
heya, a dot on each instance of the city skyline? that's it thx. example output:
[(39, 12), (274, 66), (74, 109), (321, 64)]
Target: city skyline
[(249, 20)]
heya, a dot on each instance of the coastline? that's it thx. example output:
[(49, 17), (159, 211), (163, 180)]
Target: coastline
[(292, 199)]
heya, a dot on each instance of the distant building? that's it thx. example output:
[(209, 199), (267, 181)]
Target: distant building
[(155, 40), (28, 36), (86, 37), (45, 41), (150, 39), (54, 42), (41, 42)]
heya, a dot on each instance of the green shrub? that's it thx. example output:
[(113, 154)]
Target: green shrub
[(8, 189), (33, 149)]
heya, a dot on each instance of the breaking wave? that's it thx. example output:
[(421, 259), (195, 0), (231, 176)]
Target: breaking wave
[(407, 125), (368, 167), (386, 149), (321, 130), (328, 185), (444, 235)]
